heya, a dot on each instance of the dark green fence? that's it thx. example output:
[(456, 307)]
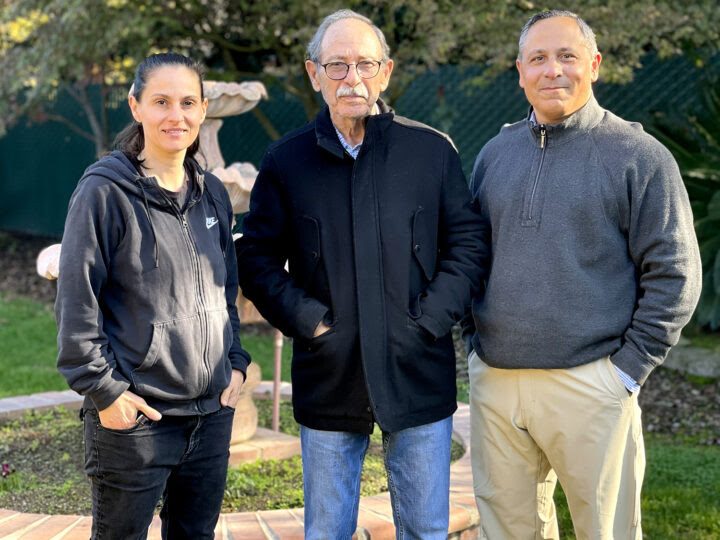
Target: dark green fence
[(40, 164)]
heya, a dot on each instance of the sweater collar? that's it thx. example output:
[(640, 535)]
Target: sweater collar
[(375, 124), (578, 123)]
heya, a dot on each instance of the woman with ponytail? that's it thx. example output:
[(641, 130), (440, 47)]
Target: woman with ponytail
[(147, 324)]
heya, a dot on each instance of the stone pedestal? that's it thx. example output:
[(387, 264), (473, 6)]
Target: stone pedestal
[(246, 414), (210, 156)]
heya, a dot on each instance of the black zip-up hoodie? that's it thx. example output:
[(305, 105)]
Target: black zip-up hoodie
[(146, 291)]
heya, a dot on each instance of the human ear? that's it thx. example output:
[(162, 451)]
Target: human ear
[(134, 106), (595, 67), (204, 106), (521, 80), (387, 68), (312, 71)]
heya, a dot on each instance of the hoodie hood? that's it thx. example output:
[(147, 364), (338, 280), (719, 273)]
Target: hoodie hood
[(118, 168)]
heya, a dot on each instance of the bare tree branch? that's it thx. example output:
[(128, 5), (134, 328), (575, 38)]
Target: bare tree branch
[(70, 125)]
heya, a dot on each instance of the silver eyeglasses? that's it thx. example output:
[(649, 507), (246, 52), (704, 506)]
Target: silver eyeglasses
[(366, 69)]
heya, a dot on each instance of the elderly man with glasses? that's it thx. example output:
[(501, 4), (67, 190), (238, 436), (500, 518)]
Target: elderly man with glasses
[(373, 214)]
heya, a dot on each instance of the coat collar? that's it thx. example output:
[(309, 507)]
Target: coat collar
[(375, 126)]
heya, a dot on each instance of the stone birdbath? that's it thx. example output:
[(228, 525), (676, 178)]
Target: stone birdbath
[(224, 99), (229, 99)]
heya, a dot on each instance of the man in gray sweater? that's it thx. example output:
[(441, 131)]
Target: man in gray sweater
[(595, 270)]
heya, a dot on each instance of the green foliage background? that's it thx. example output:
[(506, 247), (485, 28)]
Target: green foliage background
[(52, 45), (694, 140)]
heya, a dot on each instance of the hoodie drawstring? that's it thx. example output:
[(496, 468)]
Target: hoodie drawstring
[(152, 226)]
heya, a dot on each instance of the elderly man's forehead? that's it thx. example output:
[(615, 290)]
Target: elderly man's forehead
[(350, 38)]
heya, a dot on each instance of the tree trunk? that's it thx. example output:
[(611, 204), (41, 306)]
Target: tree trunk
[(99, 135)]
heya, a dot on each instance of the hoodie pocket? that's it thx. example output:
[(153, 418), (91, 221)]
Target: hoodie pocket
[(176, 366)]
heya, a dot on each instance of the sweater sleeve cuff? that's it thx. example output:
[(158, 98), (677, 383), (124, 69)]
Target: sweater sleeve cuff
[(634, 365)]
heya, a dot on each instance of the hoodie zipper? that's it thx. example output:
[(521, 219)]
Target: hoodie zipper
[(543, 141), (200, 299), (199, 292)]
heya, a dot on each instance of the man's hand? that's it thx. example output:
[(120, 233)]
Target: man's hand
[(320, 329), (122, 413), (231, 394)]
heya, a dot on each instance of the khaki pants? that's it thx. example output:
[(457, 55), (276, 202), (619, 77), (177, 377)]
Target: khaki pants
[(533, 427)]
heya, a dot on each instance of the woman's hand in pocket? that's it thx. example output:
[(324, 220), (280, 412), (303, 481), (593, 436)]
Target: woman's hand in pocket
[(231, 394), (123, 412)]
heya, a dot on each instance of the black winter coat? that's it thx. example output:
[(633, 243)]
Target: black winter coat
[(386, 249)]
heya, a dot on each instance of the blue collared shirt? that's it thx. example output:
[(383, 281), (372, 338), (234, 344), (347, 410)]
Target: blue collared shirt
[(352, 150)]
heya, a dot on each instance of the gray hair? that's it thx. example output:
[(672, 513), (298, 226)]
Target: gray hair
[(585, 30), (314, 48)]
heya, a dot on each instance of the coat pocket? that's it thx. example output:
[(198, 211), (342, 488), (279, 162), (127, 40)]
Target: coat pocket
[(424, 242), (307, 250)]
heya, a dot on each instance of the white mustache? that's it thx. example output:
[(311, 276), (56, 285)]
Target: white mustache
[(358, 90)]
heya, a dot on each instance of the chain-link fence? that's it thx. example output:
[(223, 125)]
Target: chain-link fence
[(472, 115), (40, 164)]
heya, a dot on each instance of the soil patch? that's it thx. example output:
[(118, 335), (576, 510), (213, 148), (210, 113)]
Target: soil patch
[(43, 454), (18, 277)]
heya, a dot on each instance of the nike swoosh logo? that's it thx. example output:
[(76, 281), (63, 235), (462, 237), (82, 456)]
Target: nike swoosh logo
[(210, 221)]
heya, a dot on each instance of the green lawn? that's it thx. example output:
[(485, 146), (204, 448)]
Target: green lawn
[(680, 497), (29, 351), (261, 348)]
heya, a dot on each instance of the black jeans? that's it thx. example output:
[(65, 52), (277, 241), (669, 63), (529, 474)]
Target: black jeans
[(182, 459)]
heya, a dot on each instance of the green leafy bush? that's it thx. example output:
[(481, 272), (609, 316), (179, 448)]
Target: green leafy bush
[(694, 140)]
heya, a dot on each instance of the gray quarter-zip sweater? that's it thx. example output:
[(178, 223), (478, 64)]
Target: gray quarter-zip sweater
[(593, 248)]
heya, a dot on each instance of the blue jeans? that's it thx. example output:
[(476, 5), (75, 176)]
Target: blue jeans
[(181, 459), (417, 462)]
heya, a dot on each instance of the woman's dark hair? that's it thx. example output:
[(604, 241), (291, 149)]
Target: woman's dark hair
[(131, 140)]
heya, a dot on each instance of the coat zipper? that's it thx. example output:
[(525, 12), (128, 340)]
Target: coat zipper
[(543, 138)]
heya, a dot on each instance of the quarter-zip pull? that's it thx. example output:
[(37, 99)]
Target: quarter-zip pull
[(543, 141)]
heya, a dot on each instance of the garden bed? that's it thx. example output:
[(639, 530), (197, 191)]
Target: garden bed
[(43, 453)]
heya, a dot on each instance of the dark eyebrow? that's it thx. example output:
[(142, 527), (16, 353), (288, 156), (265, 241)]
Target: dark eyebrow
[(165, 96)]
